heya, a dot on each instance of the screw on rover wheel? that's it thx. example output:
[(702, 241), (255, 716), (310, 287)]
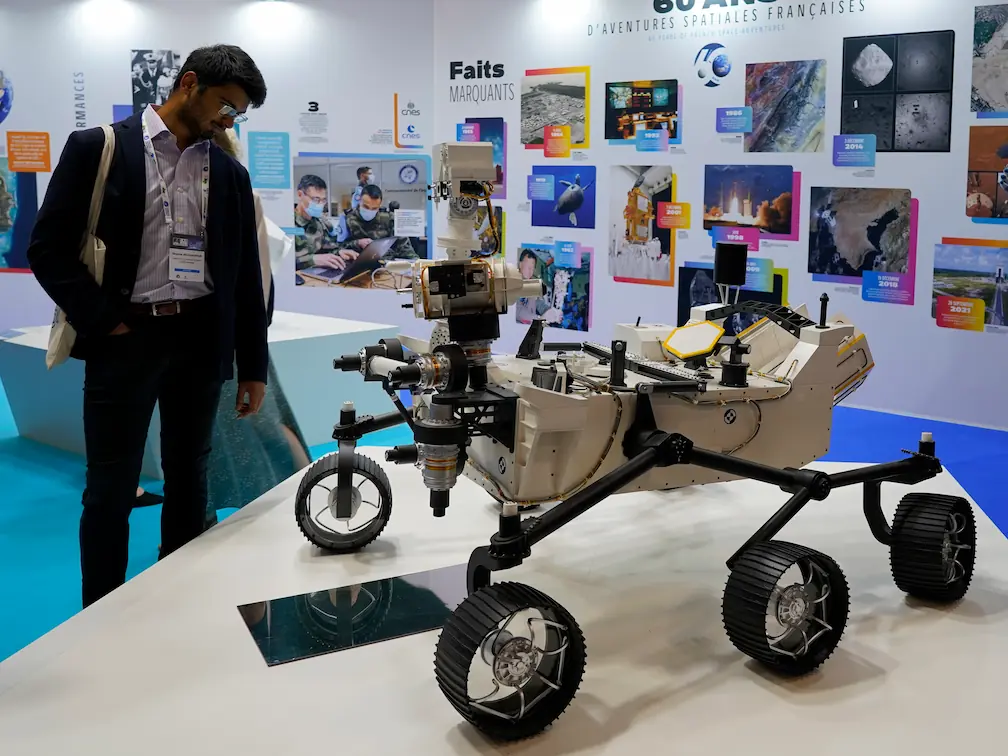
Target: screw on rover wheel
[(933, 547), (789, 624), (371, 504), (510, 660)]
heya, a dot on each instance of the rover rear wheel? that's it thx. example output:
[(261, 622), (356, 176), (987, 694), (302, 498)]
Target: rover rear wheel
[(510, 660), (933, 547), (786, 606), (316, 504)]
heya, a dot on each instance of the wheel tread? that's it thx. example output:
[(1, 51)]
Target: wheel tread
[(747, 596), (460, 641), (915, 557), (322, 468)]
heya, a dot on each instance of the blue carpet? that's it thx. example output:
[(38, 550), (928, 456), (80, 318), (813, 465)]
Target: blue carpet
[(40, 506)]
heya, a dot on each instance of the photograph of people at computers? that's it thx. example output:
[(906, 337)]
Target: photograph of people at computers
[(345, 218)]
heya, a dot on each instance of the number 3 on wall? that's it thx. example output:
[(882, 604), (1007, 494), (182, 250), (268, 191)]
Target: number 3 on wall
[(313, 107)]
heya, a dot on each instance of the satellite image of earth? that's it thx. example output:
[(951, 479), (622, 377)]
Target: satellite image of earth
[(6, 97), (990, 59), (854, 230), (788, 101)]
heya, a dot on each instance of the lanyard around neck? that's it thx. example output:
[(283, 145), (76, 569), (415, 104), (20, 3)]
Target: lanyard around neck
[(165, 197)]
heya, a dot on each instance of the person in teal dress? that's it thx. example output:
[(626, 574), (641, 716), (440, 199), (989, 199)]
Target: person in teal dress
[(254, 454)]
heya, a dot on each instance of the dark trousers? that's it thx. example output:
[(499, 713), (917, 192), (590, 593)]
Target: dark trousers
[(170, 360)]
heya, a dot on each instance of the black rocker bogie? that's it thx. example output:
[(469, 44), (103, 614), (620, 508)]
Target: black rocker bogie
[(932, 545)]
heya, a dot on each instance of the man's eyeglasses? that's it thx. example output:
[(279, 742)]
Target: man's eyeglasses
[(228, 112)]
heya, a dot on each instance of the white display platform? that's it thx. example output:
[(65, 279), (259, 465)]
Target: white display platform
[(46, 404), (165, 664)]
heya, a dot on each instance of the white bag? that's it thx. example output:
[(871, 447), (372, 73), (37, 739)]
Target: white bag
[(281, 244), (62, 335)]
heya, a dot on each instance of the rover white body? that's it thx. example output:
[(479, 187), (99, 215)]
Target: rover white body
[(564, 441)]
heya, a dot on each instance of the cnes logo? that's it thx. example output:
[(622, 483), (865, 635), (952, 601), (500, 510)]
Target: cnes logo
[(410, 110)]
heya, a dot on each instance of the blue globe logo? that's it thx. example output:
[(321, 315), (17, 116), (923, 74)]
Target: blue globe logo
[(6, 97), (712, 64), (721, 66)]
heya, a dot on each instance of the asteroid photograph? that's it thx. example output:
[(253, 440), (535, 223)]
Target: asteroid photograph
[(923, 122), (788, 102), (987, 172), (869, 64), (899, 88), (854, 230), (990, 59), (869, 114)]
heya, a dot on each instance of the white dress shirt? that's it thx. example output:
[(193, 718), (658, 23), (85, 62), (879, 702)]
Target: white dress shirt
[(182, 172)]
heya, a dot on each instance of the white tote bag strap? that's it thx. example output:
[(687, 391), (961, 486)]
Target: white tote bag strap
[(98, 193)]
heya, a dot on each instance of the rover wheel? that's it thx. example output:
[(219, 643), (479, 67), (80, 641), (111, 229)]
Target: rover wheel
[(371, 505), (510, 660), (786, 606), (933, 547), (348, 616)]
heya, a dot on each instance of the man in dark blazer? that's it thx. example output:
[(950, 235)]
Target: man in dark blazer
[(181, 299)]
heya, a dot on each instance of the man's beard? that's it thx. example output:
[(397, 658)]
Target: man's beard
[(193, 125)]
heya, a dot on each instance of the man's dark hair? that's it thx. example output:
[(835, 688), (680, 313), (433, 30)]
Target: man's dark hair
[(218, 65), (311, 181), (526, 254), (362, 170), (373, 191)]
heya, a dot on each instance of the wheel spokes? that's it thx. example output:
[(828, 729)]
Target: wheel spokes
[(955, 570), (807, 601), (344, 528), (502, 649)]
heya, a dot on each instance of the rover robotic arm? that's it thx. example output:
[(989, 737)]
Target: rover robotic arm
[(464, 294)]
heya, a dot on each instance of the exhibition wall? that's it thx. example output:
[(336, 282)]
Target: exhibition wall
[(859, 147), (334, 72), (838, 138)]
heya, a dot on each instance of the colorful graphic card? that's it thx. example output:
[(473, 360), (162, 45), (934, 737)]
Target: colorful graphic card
[(555, 96), (864, 237), (968, 292), (645, 217)]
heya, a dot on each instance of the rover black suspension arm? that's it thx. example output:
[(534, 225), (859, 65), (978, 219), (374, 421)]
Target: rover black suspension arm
[(406, 415), (649, 448), (367, 424)]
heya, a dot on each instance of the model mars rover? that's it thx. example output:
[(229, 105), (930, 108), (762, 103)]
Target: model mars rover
[(658, 408)]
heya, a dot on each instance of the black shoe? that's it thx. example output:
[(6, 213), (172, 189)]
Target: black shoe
[(148, 499)]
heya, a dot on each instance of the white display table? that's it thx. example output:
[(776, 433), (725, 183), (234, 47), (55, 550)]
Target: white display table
[(46, 404), (165, 665)]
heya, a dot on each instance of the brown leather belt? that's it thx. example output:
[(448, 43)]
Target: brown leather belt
[(160, 309)]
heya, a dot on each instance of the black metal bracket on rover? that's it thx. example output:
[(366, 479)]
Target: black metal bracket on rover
[(646, 447)]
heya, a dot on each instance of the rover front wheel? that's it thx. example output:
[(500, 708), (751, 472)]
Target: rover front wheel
[(933, 547), (786, 606), (510, 660), (318, 515)]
